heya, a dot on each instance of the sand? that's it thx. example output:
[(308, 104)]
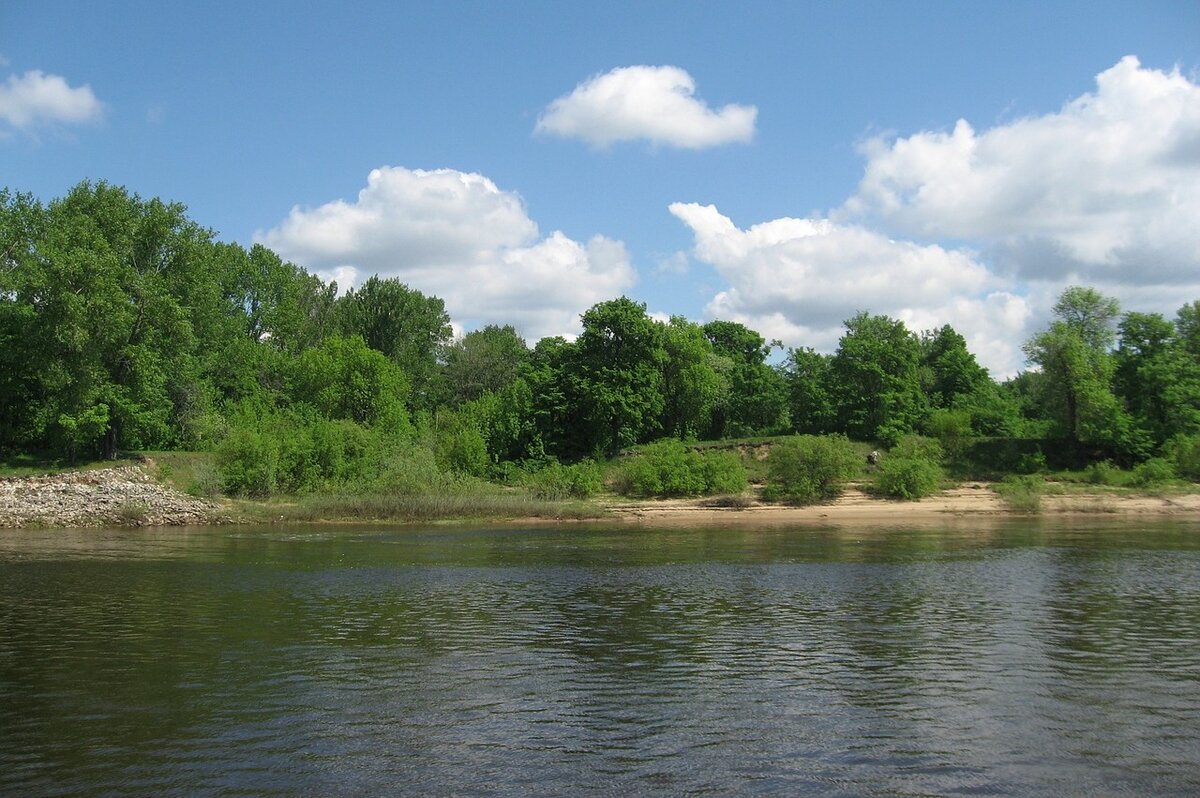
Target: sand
[(855, 506)]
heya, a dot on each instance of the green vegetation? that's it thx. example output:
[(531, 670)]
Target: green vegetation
[(811, 468), (1022, 493), (668, 468), (911, 470), (125, 327)]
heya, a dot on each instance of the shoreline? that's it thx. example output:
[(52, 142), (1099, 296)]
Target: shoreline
[(971, 499), (130, 496)]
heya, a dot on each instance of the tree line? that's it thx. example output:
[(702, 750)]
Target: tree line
[(125, 325)]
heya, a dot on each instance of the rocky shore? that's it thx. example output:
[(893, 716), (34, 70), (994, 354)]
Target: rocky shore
[(122, 496)]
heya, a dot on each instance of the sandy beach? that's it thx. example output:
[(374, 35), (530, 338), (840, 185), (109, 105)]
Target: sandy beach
[(855, 506)]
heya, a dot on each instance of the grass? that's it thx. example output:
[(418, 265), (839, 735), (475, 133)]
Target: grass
[(132, 513), (1022, 493), (26, 465), (194, 473), (387, 507)]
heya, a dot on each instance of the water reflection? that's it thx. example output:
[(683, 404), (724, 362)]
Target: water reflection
[(1009, 658)]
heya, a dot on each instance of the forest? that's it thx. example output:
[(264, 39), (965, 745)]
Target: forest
[(125, 326)]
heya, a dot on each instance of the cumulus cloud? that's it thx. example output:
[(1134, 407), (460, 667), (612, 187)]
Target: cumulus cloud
[(799, 279), (657, 104), (1105, 190), (457, 236), (35, 98)]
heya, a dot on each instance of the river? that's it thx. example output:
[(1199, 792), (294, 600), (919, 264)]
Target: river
[(994, 657)]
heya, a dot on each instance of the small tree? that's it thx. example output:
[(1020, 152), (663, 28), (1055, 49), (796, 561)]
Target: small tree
[(911, 470), (810, 468)]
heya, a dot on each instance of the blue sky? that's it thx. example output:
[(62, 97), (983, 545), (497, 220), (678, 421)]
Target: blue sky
[(780, 164)]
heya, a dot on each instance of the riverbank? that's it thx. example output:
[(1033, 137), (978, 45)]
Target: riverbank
[(130, 496), (119, 496), (856, 506)]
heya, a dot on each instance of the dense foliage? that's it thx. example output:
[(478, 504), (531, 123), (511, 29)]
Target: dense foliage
[(811, 468), (668, 468), (124, 325), (911, 470)]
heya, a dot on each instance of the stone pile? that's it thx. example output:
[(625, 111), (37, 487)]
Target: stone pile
[(122, 496)]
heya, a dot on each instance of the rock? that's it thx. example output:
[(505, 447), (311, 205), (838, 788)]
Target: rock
[(122, 496)]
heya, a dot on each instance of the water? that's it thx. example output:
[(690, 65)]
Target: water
[(990, 658)]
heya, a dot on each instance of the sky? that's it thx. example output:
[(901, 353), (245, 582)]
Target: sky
[(781, 164)]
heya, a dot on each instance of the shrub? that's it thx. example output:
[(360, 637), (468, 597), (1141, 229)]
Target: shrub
[(1154, 471), (810, 468), (1103, 473), (557, 481), (911, 470), (907, 477), (1022, 493), (668, 468), (724, 473), (248, 461), (1184, 452)]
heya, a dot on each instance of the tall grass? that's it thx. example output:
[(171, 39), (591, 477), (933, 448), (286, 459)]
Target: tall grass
[(431, 507), (1022, 493)]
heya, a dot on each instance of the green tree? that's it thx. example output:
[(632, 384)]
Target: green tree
[(951, 371), (876, 378), (692, 386), (1074, 356), (22, 225), (404, 324), (343, 378), (100, 294), (556, 398), (483, 360), (618, 363), (1156, 377), (808, 374), (757, 400)]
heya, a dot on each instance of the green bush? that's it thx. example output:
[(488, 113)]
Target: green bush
[(724, 472), (1155, 471), (911, 470), (907, 477), (248, 461), (1022, 493), (1184, 452), (556, 481), (810, 468), (668, 468), (1103, 473)]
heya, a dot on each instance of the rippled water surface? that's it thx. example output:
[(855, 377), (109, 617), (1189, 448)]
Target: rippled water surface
[(984, 659)]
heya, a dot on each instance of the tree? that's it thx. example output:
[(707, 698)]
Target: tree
[(877, 379), (757, 400), (1156, 377), (692, 386), (343, 378), (22, 225), (619, 365), (404, 324), (1074, 356), (483, 361), (556, 398), (1187, 326), (951, 371), (809, 381), (115, 348)]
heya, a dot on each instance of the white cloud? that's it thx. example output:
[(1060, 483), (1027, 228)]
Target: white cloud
[(645, 102), (676, 263), (457, 236), (1105, 190), (799, 279), (35, 98)]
